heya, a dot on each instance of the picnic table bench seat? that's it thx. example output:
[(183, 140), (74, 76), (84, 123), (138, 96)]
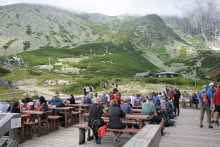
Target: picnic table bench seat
[(28, 129), (75, 117), (54, 122), (82, 130)]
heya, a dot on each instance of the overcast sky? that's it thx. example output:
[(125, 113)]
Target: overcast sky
[(118, 7)]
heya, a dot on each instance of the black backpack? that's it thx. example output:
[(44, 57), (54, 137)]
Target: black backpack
[(60, 104)]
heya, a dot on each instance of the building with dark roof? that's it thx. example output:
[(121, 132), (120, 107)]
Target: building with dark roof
[(144, 75), (213, 74), (166, 74)]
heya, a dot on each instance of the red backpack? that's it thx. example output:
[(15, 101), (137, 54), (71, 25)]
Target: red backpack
[(205, 99)]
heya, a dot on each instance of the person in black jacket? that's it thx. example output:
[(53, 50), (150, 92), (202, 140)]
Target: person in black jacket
[(176, 101), (115, 113), (15, 108), (95, 120)]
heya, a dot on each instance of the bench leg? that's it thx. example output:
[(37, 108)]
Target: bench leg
[(82, 136), (89, 138), (77, 118), (30, 132), (57, 124)]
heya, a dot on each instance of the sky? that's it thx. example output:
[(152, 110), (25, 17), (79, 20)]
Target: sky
[(120, 7)]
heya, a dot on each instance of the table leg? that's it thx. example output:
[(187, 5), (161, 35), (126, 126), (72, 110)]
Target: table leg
[(65, 118), (22, 130), (46, 124), (39, 125), (71, 117), (141, 123)]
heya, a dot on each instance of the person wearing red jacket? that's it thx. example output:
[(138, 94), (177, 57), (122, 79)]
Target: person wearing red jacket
[(216, 101)]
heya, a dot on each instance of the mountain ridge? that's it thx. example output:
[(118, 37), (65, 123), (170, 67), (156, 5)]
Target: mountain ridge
[(168, 47)]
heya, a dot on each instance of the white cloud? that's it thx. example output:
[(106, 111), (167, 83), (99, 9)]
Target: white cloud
[(117, 7)]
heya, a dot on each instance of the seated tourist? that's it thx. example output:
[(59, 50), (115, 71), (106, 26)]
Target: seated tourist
[(194, 100), (87, 99), (104, 98), (57, 93), (54, 102), (150, 109), (115, 113), (43, 104), (9, 105), (126, 107), (95, 120), (27, 102), (72, 99), (15, 108), (95, 97)]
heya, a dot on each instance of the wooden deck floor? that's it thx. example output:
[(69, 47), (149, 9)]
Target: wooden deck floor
[(69, 137), (188, 133)]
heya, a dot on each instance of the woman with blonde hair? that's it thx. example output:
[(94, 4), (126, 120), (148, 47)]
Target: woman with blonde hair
[(115, 113), (87, 99)]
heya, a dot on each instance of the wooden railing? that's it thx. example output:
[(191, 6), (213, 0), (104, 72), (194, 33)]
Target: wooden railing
[(14, 97)]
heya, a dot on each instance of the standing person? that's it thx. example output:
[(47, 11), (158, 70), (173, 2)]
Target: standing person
[(91, 88), (216, 101), (95, 120), (205, 101), (116, 85), (87, 89), (156, 99), (117, 96), (84, 90), (212, 91), (149, 109), (171, 94), (167, 90), (115, 113), (132, 98), (176, 102), (113, 83)]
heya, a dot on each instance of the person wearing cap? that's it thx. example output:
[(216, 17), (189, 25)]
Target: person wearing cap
[(57, 93), (54, 102), (212, 91), (149, 109), (216, 101), (205, 101)]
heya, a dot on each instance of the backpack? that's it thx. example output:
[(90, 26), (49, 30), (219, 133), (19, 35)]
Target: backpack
[(205, 99)]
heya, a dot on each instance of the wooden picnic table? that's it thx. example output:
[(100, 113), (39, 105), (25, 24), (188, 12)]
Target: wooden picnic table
[(137, 107), (67, 113), (23, 118), (141, 118), (85, 108), (40, 121), (136, 110)]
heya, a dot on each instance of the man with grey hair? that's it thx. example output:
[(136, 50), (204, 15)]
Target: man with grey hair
[(104, 98)]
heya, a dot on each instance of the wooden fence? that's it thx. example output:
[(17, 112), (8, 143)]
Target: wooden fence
[(14, 97)]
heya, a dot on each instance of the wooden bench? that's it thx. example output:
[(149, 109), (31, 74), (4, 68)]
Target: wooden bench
[(28, 129), (54, 122), (75, 117), (82, 130)]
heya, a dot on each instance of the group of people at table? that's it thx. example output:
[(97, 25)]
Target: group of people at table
[(117, 110)]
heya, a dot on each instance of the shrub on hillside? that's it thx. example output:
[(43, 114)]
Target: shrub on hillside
[(34, 73), (4, 71)]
